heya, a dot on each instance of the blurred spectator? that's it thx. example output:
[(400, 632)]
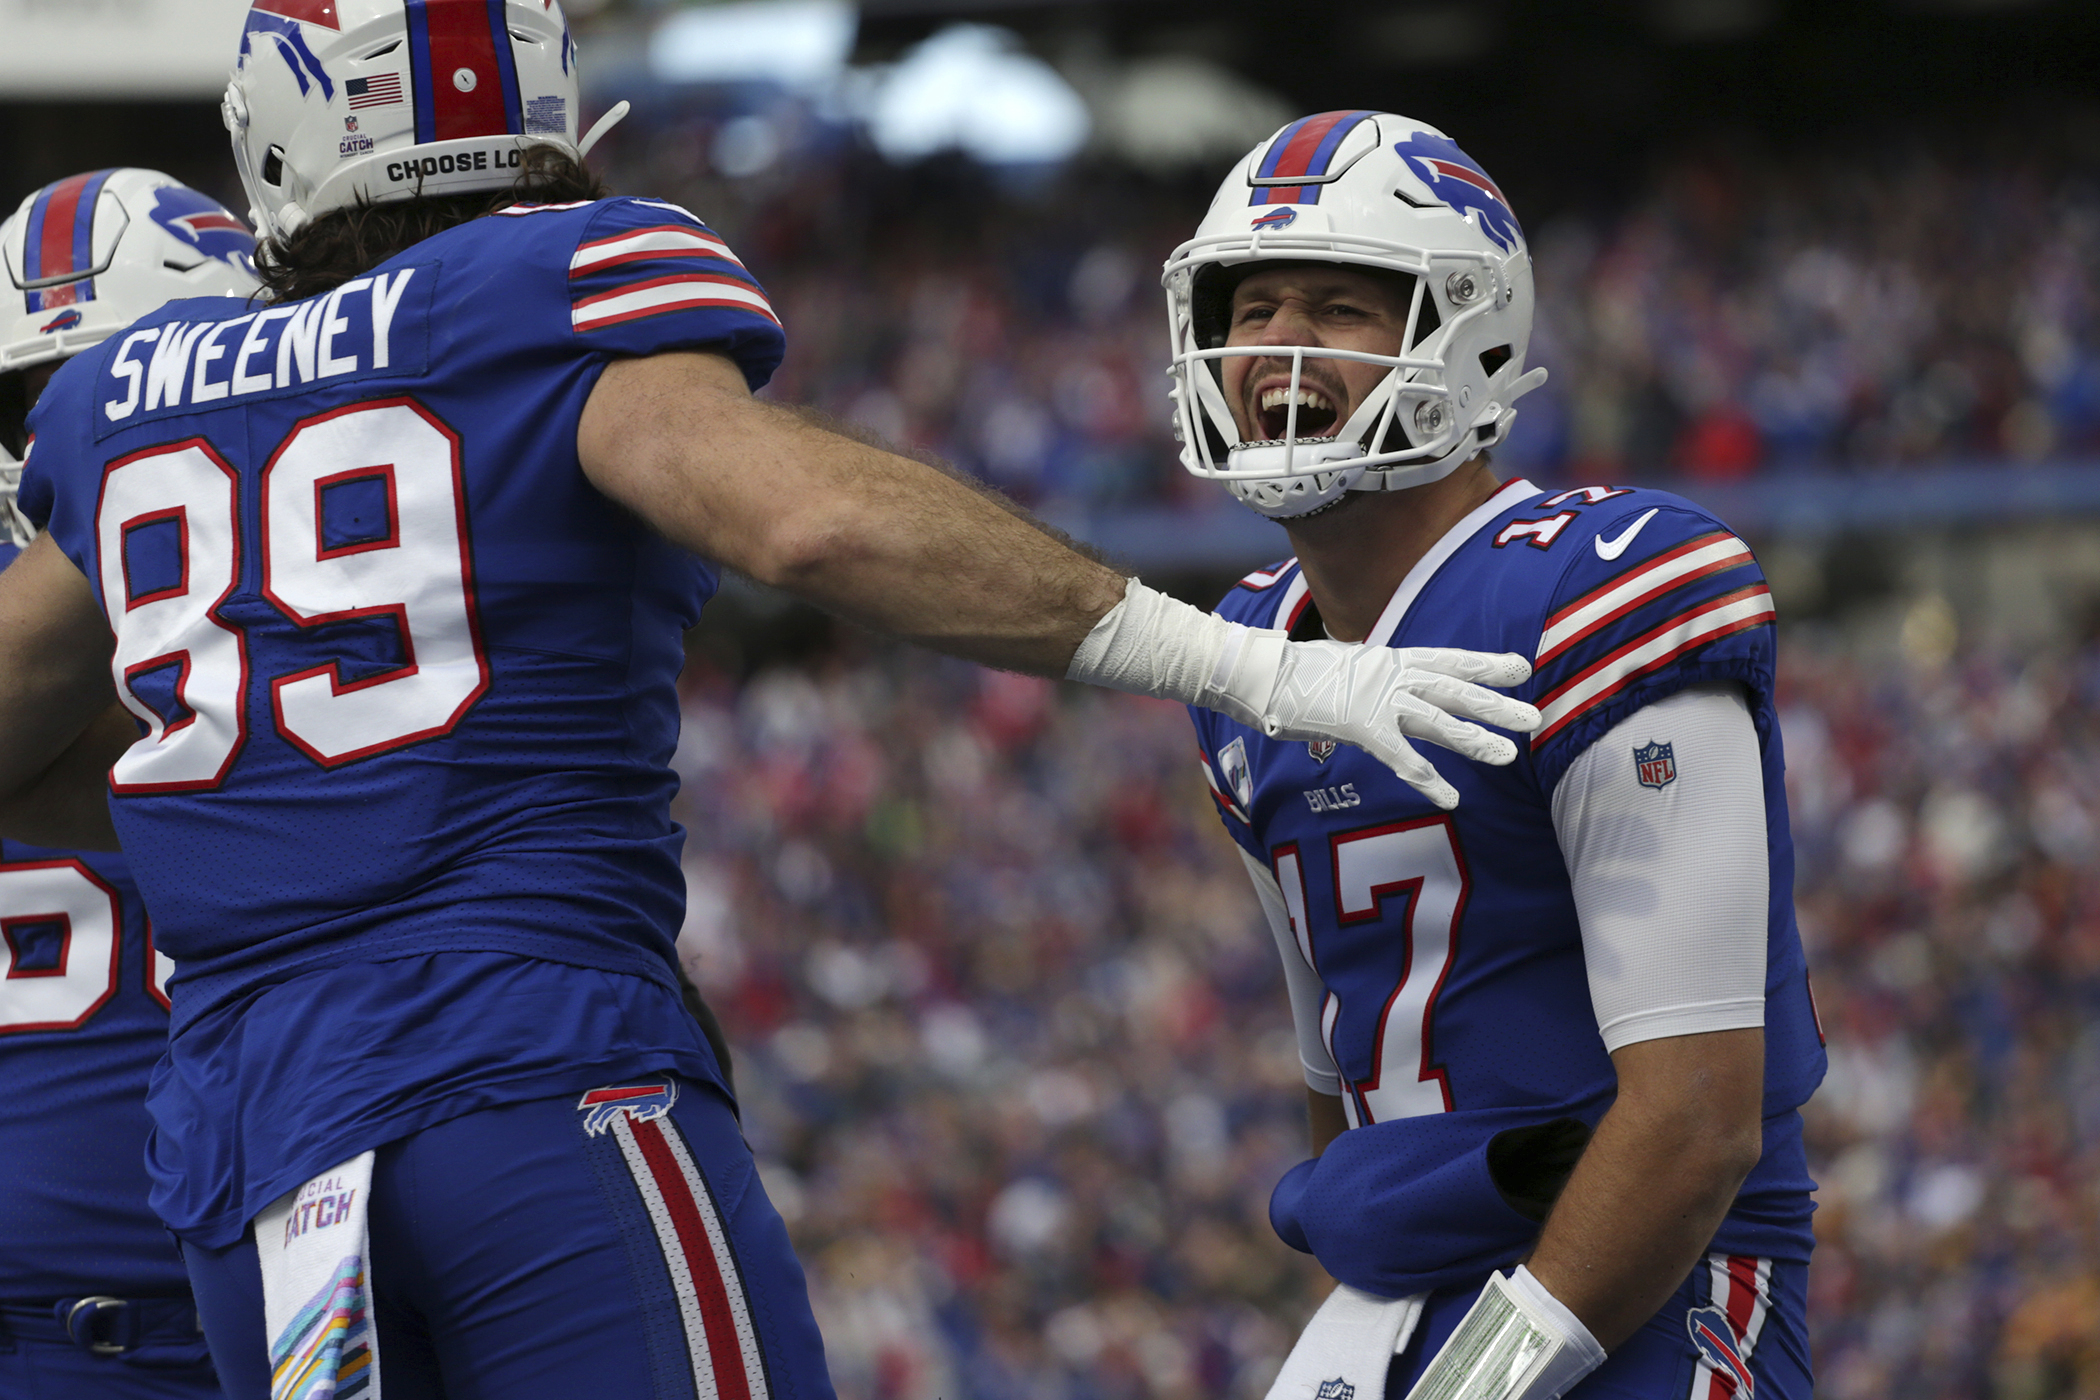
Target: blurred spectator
[(1901, 302), (1018, 1064)]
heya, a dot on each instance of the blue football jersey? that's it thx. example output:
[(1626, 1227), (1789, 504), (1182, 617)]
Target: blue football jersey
[(1455, 1003), (407, 680), (83, 1017)]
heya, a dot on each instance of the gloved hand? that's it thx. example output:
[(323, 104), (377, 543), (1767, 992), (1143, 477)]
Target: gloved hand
[(1377, 698), (1373, 697)]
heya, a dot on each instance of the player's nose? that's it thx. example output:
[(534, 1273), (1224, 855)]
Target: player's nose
[(1292, 323)]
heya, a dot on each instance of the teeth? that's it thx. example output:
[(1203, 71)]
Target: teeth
[(1307, 398)]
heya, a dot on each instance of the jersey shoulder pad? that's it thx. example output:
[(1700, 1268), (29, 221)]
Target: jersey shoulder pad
[(1267, 597), (647, 276), (1657, 594)]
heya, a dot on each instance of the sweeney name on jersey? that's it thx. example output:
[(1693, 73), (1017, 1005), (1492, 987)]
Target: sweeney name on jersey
[(165, 369)]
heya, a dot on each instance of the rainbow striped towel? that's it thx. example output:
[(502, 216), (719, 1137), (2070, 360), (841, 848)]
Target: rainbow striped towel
[(317, 1292)]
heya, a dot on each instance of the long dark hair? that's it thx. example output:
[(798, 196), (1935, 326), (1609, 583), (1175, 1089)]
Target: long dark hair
[(345, 243)]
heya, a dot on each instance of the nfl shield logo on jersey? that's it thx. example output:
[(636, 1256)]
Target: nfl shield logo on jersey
[(1320, 749), (1336, 1389), (640, 1102), (1656, 764), (1232, 762)]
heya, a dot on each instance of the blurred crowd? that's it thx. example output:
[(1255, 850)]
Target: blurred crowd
[(1908, 301), (1016, 1058)]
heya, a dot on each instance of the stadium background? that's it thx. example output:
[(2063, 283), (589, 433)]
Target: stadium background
[(1011, 1035)]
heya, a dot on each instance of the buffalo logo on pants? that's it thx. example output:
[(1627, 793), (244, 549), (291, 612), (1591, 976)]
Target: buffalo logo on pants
[(640, 1102)]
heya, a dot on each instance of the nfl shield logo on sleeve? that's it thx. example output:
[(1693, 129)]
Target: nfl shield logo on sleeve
[(1336, 1389), (1656, 764)]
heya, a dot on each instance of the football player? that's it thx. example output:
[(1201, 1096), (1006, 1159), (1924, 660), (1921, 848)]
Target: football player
[(1554, 1039), (397, 566), (93, 1300)]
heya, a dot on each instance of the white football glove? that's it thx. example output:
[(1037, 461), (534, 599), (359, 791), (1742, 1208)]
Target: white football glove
[(1373, 697)]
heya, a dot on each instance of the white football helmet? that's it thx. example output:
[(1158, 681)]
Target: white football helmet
[(333, 101), (86, 257), (1379, 191)]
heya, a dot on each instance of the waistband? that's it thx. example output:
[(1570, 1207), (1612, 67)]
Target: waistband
[(101, 1323)]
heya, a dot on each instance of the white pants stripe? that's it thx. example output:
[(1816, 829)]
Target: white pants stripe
[(1741, 1287), (719, 1336)]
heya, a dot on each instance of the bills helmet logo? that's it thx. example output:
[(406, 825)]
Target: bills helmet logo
[(1454, 179), (1232, 762), (196, 220), (640, 1102), (1321, 749), (1282, 217), (1655, 765), (1336, 1389), (63, 321), (1716, 1344)]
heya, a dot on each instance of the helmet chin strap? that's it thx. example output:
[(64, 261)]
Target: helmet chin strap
[(601, 126)]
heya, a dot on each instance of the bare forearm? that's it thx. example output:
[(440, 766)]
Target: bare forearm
[(67, 805), (902, 547), (1651, 1189), (881, 539)]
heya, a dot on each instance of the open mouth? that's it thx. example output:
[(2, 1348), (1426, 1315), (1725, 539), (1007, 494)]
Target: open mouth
[(1317, 415)]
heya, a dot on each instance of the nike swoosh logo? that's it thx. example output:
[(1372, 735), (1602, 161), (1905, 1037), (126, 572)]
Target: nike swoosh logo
[(1612, 549)]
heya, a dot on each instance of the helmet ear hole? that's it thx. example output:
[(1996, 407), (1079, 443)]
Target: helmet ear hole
[(273, 166), (1492, 360)]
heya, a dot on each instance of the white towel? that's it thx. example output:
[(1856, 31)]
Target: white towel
[(1345, 1350), (317, 1288)]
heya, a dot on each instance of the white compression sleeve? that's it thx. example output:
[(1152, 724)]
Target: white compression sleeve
[(1307, 993), (1672, 884)]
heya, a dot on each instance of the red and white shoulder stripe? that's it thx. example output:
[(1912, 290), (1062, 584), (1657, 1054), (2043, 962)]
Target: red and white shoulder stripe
[(686, 291), (1698, 622), (659, 241), (1747, 607), (1694, 559)]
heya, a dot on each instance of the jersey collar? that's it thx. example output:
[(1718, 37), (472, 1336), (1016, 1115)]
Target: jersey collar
[(1509, 497)]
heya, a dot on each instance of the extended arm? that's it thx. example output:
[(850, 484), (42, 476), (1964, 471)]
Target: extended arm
[(1673, 891), (899, 546), (1672, 888), (62, 732), (869, 535)]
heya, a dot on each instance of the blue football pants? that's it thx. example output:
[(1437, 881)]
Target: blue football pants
[(1736, 1330), (548, 1251), (35, 1369)]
